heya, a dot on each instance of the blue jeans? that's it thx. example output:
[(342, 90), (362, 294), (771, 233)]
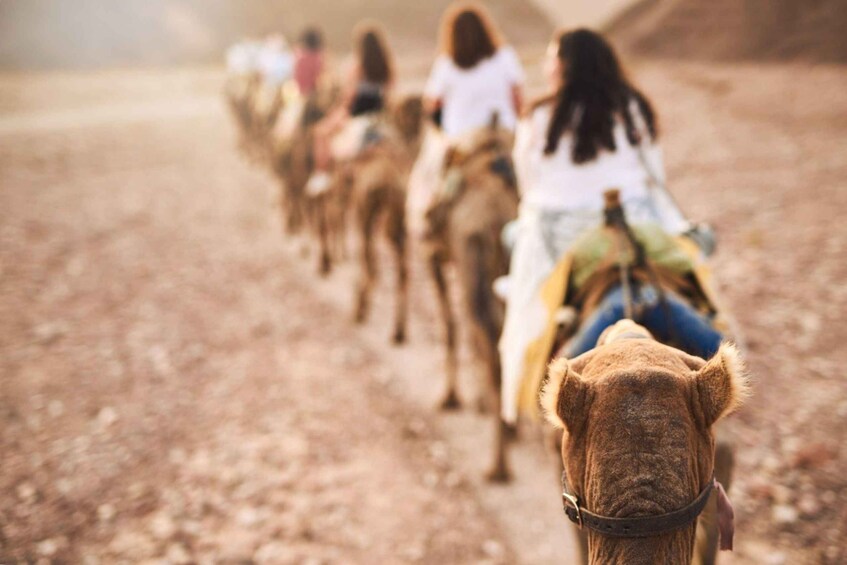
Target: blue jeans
[(680, 323)]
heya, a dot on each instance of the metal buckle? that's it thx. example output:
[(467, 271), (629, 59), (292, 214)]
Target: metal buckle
[(568, 498), (574, 501)]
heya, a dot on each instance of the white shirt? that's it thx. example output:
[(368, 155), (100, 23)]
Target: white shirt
[(470, 96), (554, 182)]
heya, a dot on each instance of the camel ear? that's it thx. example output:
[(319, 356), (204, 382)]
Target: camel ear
[(722, 383), (564, 397)]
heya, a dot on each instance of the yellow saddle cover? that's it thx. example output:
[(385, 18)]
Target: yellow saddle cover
[(554, 293)]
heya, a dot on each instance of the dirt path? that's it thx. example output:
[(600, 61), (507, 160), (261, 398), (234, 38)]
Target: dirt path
[(172, 384), (176, 381)]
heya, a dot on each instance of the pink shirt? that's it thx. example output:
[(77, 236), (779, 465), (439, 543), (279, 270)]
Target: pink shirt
[(308, 66)]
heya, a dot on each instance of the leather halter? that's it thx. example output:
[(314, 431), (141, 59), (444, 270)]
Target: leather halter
[(639, 527)]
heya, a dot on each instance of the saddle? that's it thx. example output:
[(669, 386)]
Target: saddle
[(578, 284)]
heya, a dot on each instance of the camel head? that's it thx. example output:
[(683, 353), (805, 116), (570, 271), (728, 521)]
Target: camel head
[(637, 417), (408, 117)]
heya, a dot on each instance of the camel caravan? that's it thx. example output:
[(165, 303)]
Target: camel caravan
[(585, 292)]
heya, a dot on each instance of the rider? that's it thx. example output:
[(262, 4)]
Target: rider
[(619, 271), (595, 131), (367, 89), (476, 75), (309, 60)]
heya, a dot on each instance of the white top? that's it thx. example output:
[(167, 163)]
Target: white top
[(243, 57), (276, 66), (554, 182), (470, 96)]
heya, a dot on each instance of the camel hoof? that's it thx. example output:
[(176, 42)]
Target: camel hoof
[(451, 401), (499, 474), (399, 337), (360, 316), (325, 267)]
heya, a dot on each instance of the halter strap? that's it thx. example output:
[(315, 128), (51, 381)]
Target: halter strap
[(639, 527)]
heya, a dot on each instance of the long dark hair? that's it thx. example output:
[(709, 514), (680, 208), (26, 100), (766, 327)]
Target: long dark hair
[(468, 35), (593, 92), (374, 56)]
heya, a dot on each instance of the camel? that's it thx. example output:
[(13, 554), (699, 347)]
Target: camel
[(373, 187), (256, 107), (464, 229), (292, 160), (240, 92), (639, 443)]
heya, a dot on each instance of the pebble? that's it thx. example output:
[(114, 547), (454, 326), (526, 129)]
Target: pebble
[(55, 408), (107, 416), (162, 526), (177, 553), (809, 506), (47, 547), (784, 514), (26, 492), (776, 558), (493, 549), (105, 512)]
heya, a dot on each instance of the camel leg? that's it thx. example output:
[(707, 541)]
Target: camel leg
[(322, 211), (451, 398), (499, 472), (367, 271), (475, 263), (397, 234)]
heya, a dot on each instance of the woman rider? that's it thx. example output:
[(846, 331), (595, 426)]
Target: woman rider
[(475, 75), (367, 88), (595, 131)]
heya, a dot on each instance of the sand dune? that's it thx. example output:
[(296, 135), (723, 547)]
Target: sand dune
[(729, 30)]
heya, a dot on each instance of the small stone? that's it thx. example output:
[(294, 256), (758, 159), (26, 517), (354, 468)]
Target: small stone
[(105, 512), (784, 514), (49, 332), (55, 408), (438, 451), (177, 553), (64, 486), (162, 526), (26, 492), (414, 553), (809, 506), (775, 558), (48, 547), (771, 464), (107, 416), (136, 490), (492, 549), (248, 517)]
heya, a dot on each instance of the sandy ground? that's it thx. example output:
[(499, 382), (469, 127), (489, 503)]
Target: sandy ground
[(177, 385)]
